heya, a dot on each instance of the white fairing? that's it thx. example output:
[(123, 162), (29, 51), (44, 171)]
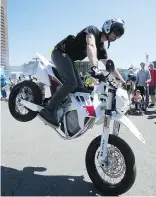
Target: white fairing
[(99, 88), (97, 106), (122, 101), (81, 105), (42, 74), (44, 60), (44, 70), (82, 113), (127, 122)]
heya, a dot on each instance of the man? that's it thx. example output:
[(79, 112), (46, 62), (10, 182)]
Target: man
[(142, 81), (89, 42), (152, 85)]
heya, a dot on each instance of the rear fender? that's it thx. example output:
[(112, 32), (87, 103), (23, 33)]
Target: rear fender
[(46, 68)]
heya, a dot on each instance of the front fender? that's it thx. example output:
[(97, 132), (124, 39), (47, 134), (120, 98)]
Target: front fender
[(128, 123)]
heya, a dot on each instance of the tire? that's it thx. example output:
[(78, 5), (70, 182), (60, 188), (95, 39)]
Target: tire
[(12, 100), (129, 178)]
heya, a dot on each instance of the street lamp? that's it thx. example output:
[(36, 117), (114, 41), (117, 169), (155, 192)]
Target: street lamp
[(36, 58), (147, 59)]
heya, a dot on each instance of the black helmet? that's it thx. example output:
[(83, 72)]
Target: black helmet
[(118, 29), (113, 25)]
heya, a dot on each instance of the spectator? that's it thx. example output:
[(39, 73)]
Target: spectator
[(19, 80), (130, 82), (81, 76), (152, 85), (30, 78), (11, 83), (3, 87), (137, 99), (142, 81)]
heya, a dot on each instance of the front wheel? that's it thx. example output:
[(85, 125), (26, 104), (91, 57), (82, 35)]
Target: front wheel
[(118, 172)]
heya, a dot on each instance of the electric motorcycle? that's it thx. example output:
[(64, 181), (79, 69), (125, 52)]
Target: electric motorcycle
[(80, 111)]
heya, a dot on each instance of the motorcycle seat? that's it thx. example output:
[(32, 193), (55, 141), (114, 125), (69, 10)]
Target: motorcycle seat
[(81, 89)]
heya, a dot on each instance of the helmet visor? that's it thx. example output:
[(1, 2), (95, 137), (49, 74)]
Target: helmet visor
[(118, 31)]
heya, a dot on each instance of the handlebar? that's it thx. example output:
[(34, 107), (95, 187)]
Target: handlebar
[(98, 74), (110, 67)]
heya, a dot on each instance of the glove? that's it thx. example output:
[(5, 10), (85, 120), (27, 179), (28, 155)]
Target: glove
[(124, 86), (92, 71)]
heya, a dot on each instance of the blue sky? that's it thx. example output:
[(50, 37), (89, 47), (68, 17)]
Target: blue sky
[(37, 25)]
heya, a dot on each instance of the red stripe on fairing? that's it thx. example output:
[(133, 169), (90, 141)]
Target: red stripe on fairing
[(54, 79), (90, 110), (54, 83)]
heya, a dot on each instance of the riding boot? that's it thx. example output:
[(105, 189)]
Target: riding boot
[(49, 113)]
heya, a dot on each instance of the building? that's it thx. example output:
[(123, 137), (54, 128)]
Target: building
[(16, 68), (15, 72), (4, 51)]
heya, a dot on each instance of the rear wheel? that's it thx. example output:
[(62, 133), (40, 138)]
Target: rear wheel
[(28, 91), (118, 172)]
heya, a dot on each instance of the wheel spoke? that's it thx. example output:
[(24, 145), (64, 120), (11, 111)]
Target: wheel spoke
[(26, 94), (114, 171)]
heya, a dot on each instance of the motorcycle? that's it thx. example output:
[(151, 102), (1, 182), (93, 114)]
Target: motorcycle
[(78, 113)]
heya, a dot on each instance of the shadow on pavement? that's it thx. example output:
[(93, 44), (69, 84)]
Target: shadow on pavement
[(150, 112), (26, 183), (151, 117)]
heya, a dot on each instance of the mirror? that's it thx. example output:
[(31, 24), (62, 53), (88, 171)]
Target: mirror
[(110, 67)]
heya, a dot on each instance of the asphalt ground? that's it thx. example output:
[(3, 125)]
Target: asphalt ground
[(36, 161)]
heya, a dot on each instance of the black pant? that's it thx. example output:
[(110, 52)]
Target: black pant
[(66, 69), (69, 75), (137, 105)]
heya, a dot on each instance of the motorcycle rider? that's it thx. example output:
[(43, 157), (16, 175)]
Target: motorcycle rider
[(88, 42)]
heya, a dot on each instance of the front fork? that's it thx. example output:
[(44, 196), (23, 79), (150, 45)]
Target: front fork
[(105, 136), (104, 140), (106, 127)]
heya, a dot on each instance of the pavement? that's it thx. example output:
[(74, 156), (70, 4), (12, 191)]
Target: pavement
[(37, 162)]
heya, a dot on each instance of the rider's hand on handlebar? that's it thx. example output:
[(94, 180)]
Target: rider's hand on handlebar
[(124, 86), (94, 71)]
